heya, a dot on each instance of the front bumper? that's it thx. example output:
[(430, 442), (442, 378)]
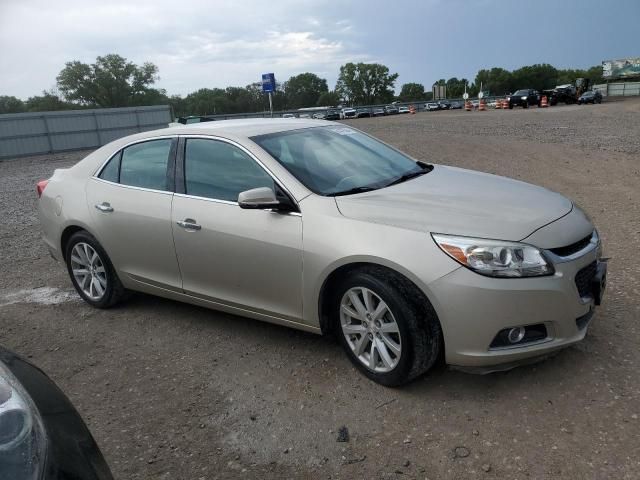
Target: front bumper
[(473, 308)]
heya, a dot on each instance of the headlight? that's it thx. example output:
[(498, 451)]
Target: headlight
[(524, 98), (495, 258), (22, 437)]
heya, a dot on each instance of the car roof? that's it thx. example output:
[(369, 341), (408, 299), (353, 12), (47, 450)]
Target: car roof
[(247, 127)]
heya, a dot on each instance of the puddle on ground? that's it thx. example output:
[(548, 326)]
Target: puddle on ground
[(42, 296)]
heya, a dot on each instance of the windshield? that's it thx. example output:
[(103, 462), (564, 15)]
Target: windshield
[(522, 92), (337, 160)]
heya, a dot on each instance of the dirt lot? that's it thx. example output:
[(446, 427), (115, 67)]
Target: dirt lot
[(173, 391)]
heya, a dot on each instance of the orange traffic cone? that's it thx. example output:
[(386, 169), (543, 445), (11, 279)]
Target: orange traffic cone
[(543, 102), (498, 104), (412, 109), (467, 106), (482, 106), (505, 104)]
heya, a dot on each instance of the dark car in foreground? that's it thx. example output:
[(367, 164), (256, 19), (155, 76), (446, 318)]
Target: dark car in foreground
[(523, 98), (42, 436), (592, 96)]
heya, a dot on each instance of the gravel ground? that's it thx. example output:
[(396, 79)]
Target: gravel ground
[(173, 391)]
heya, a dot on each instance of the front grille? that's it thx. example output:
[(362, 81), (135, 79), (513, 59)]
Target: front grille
[(573, 248), (584, 277)]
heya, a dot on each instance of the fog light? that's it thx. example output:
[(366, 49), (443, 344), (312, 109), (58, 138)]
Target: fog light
[(516, 334)]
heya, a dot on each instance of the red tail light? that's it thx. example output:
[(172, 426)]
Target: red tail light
[(40, 186)]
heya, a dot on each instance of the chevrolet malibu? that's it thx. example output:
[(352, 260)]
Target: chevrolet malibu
[(318, 226)]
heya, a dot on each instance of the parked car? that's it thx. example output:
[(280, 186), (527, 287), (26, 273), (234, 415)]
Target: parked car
[(42, 436), (194, 119), (456, 105), (363, 113), (592, 96), (431, 107), (403, 110), (332, 115), (378, 112), (319, 116), (444, 105), (288, 115), (304, 115), (391, 110), (524, 98), (349, 113), (498, 272)]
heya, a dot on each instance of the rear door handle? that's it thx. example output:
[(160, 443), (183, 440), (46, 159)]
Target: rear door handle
[(189, 224), (104, 207)]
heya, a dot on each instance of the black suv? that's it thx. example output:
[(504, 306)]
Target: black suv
[(332, 115), (524, 98)]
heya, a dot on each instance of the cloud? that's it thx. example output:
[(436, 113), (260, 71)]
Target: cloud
[(195, 44)]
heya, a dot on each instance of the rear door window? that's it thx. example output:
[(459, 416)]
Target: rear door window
[(144, 164)]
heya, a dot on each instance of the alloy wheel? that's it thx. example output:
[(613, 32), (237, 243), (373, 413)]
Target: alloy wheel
[(88, 270), (370, 329)]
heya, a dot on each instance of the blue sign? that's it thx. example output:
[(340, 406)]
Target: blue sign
[(268, 82)]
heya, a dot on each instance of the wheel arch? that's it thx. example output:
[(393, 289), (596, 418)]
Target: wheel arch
[(338, 272), (66, 234)]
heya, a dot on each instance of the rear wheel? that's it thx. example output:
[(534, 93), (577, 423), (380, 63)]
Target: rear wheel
[(387, 327), (525, 105), (91, 271)]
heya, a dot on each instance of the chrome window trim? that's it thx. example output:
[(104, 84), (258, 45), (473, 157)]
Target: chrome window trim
[(97, 173), (246, 151), (227, 202), (132, 187)]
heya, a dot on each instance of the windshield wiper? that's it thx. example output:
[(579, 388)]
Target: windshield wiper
[(407, 176), (351, 191)]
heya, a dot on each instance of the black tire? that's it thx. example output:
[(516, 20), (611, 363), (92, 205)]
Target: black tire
[(510, 106), (525, 105), (114, 291), (420, 332)]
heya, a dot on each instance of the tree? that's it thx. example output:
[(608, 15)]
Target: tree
[(205, 101), (304, 90), (328, 99), (111, 81), (11, 104), (498, 81), (411, 91), (49, 101), (365, 83), (538, 77)]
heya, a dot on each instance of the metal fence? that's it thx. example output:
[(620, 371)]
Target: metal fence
[(619, 89), (49, 132)]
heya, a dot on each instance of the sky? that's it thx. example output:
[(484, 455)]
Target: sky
[(220, 43)]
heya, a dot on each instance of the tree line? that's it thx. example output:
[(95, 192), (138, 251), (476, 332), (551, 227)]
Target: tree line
[(112, 81)]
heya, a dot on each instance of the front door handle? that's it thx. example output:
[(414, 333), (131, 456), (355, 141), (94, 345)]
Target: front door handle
[(189, 224), (104, 207)]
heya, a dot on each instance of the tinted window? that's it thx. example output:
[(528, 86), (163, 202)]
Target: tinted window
[(145, 164), (221, 171), (111, 170)]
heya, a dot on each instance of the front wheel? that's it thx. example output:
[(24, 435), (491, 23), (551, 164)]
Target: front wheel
[(91, 271), (387, 327)]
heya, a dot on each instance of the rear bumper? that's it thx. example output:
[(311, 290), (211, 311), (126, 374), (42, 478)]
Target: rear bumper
[(473, 309)]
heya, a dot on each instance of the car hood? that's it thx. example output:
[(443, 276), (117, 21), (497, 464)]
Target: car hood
[(460, 202)]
